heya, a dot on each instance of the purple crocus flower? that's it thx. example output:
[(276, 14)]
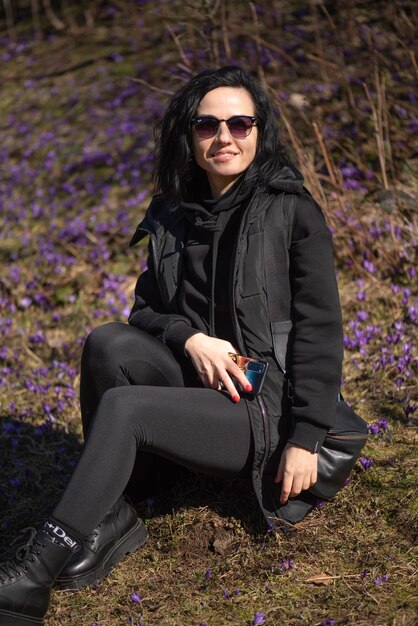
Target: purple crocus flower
[(380, 580), (369, 266), (373, 429), (259, 619), (287, 565), (382, 424), (366, 462), (208, 574), (329, 622), (135, 598)]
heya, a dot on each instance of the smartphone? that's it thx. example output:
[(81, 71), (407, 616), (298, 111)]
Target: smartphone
[(254, 369)]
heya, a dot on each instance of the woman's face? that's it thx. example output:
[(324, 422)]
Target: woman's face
[(223, 157)]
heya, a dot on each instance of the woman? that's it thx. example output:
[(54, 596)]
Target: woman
[(166, 385)]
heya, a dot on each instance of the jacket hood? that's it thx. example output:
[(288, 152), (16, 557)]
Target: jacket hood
[(288, 178)]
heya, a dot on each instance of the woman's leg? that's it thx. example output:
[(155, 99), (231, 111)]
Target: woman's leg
[(118, 354), (201, 429)]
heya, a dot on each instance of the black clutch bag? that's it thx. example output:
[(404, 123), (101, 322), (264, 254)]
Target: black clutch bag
[(339, 452), (336, 458)]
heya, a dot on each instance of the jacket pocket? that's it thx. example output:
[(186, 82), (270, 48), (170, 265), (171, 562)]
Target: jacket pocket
[(280, 333)]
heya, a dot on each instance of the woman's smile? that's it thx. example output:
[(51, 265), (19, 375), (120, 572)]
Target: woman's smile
[(222, 157)]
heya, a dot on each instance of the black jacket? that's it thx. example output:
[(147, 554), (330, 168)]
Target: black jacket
[(314, 353)]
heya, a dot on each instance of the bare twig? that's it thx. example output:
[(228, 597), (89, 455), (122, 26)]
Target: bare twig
[(321, 61), (381, 90), (150, 86), (55, 21), (224, 22), (179, 47), (378, 131), (350, 94), (325, 154), (318, 42), (260, 70), (271, 46), (35, 18), (305, 162), (33, 356), (9, 20), (413, 61)]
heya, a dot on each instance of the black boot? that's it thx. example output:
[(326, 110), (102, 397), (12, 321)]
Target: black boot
[(120, 532), (26, 580)]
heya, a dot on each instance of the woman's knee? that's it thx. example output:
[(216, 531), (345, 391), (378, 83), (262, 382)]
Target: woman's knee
[(119, 408), (106, 342)]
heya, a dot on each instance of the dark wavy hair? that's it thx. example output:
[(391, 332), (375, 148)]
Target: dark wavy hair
[(175, 169)]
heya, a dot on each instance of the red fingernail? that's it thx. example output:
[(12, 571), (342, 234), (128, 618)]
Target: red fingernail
[(248, 388), (236, 398)]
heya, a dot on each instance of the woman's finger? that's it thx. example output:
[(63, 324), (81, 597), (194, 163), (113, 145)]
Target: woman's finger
[(297, 486), (306, 483), (279, 476), (286, 487), (238, 373), (229, 386)]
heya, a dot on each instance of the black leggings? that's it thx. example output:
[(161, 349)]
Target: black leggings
[(136, 396)]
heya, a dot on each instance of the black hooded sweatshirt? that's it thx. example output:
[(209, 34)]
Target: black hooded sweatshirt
[(204, 294)]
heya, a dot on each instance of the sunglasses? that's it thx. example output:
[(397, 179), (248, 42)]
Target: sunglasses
[(239, 125)]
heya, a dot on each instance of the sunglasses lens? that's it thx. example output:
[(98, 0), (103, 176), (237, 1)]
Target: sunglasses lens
[(207, 128), (240, 127)]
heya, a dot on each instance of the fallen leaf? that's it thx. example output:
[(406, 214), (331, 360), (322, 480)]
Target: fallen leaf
[(320, 579)]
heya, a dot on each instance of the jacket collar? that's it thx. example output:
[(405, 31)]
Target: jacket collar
[(288, 178)]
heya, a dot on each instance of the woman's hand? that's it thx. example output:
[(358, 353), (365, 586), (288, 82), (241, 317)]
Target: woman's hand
[(297, 471), (215, 368)]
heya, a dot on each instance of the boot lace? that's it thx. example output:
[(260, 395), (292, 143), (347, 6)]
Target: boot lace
[(27, 551)]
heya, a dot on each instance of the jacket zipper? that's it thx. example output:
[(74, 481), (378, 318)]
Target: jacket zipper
[(266, 432), (260, 401)]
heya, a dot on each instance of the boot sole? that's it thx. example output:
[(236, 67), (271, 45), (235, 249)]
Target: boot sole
[(8, 618), (130, 542)]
